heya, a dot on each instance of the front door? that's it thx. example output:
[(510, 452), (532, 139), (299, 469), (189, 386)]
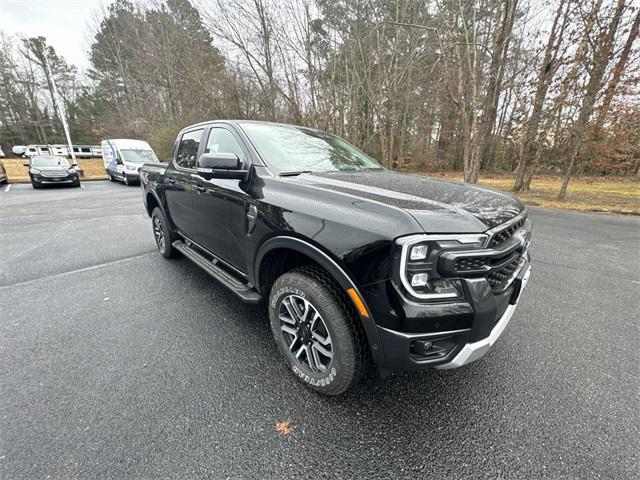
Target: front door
[(220, 203), (179, 182)]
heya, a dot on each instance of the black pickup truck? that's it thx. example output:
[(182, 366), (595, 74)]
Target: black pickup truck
[(355, 262)]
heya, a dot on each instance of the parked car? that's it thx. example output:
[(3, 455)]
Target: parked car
[(123, 157), (51, 169), (355, 262), (3, 175), (2, 155)]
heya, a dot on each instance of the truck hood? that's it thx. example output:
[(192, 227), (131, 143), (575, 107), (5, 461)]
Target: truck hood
[(437, 205)]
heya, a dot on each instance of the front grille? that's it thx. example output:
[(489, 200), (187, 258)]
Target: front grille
[(466, 264), (500, 279), (499, 261), (54, 174), (503, 235)]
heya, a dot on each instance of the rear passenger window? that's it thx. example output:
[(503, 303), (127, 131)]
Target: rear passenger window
[(188, 149)]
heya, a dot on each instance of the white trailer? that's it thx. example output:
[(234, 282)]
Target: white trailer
[(79, 151)]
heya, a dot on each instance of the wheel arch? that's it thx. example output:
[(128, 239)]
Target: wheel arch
[(152, 201), (304, 249)]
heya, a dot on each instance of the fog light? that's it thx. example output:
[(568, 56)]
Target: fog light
[(419, 252), (419, 280)]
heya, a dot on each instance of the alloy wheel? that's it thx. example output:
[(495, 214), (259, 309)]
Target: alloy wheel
[(305, 333), (158, 233)]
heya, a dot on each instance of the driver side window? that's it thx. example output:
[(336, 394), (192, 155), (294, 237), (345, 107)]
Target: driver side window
[(223, 141)]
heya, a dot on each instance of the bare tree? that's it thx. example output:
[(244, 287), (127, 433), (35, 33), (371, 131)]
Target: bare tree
[(598, 66)]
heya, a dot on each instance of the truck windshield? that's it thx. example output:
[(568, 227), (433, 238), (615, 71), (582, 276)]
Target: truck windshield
[(292, 150), (138, 156), (48, 161)]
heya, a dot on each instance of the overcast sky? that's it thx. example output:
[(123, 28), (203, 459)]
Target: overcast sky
[(63, 22)]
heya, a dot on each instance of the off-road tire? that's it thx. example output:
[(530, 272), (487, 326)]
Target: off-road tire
[(165, 248), (350, 351)]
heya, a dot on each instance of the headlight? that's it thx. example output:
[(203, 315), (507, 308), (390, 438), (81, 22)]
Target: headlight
[(35, 170), (130, 167), (71, 170), (418, 265)]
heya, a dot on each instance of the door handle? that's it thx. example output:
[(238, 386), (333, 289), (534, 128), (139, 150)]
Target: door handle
[(199, 188)]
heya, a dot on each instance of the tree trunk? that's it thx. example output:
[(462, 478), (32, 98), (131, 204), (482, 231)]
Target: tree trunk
[(605, 44), (500, 48), (618, 70), (545, 76)]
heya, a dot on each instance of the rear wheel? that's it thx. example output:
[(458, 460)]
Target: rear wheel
[(162, 234), (317, 330)]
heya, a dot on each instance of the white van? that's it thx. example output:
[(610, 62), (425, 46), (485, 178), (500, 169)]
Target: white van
[(122, 158)]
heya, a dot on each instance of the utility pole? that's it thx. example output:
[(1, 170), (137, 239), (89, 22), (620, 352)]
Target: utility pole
[(61, 107)]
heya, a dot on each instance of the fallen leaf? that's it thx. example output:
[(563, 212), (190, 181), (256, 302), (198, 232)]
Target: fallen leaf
[(284, 428)]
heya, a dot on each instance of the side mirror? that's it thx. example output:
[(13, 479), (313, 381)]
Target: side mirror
[(219, 161), (221, 165)]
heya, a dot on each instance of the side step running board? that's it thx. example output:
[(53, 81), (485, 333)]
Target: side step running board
[(243, 291)]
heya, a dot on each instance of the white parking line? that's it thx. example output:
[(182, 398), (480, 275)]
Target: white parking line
[(79, 270), (81, 186), (8, 188)]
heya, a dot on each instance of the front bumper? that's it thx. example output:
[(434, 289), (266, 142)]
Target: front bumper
[(42, 180), (444, 335), (476, 350)]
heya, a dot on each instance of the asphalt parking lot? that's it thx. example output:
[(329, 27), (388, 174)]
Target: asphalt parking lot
[(115, 362)]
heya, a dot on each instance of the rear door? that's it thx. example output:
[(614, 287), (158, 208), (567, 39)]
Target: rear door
[(179, 181)]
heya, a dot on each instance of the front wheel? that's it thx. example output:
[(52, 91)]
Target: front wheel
[(162, 234), (317, 330)]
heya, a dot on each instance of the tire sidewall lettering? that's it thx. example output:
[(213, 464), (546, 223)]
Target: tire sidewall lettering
[(316, 382), (275, 298)]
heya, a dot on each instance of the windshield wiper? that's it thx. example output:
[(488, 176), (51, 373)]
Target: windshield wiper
[(294, 173)]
